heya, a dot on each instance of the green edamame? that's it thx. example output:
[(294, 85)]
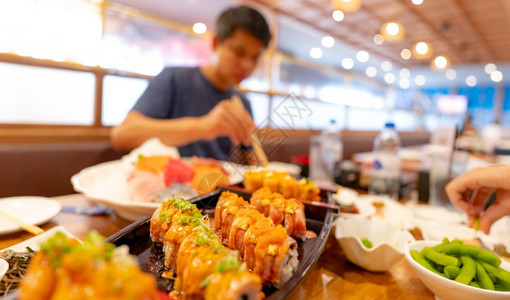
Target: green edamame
[(439, 258), (468, 270), (472, 251), (483, 279), (422, 261), (465, 264), (452, 271), (504, 275)]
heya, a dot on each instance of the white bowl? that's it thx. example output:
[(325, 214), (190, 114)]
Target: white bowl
[(388, 242), (447, 289)]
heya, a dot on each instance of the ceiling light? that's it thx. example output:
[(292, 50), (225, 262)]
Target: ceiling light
[(362, 56), (404, 83), (338, 15), (451, 74), (347, 63), (496, 76), (404, 73), (328, 41), (199, 28), (316, 52), (405, 53), (471, 81), (386, 66), (378, 39), (346, 6), (417, 2), (371, 71), (422, 50), (420, 80), (440, 62), (489, 68), (392, 31), (389, 78)]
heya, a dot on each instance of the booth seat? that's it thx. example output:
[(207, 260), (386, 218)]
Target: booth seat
[(45, 168)]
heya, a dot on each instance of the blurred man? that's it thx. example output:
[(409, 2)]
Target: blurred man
[(190, 108)]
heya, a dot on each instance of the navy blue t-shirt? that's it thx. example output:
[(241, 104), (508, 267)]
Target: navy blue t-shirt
[(184, 92)]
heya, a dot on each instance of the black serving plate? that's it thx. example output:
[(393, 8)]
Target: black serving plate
[(150, 256)]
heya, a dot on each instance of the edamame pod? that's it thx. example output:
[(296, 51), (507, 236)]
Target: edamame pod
[(504, 275), (504, 286), (452, 271), (439, 258), (422, 261), (468, 270), (473, 252), (483, 279)]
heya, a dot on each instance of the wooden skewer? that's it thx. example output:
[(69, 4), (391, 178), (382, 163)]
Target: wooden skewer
[(257, 146), (28, 227)]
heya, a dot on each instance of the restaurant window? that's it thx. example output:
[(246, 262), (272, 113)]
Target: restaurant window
[(140, 45), (60, 30), (480, 104), (36, 95), (505, 114), (119, 96), (292, 112), (305, 80), (259, 107)]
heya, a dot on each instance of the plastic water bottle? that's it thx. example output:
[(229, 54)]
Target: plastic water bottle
[(326, 154), (385, 173)]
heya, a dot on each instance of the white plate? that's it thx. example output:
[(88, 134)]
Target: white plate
[(4, 267), (348, 197), (438, 214), (31, 209), (35, 242), (291, 169), (106, 183), (435, 231), (499, 234), (392, 211)]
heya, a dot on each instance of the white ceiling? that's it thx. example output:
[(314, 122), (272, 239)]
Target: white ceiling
[(297, 39)]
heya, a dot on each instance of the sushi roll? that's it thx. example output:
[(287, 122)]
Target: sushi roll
[(288, 212), (263, 246), (167, 214), (207, 270)]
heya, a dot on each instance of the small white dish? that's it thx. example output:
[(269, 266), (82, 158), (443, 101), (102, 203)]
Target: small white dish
[(447, 289), (390, 210), (345, 196), (388, 242), (291, 169), (438, 213), (435, 231), (31, 209), (498, 235), (35, 242), (4, 267), (348, 197)]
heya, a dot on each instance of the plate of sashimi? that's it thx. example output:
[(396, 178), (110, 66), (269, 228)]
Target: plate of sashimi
[(135, 185)]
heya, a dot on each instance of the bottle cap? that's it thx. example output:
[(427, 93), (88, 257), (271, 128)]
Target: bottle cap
[(389, 124)]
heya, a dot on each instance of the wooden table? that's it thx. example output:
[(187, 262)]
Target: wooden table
[(333, 277)]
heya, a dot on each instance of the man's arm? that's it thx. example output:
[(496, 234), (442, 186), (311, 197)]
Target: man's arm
[(137, 128), (225, 119)]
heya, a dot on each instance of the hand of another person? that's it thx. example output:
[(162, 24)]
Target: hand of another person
[(472, 190), (227, 119)]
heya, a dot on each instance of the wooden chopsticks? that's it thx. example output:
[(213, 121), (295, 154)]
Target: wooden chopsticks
[(25, 226), (257, 146)]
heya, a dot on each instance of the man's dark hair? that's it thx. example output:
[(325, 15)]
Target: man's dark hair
[(245, 18)]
